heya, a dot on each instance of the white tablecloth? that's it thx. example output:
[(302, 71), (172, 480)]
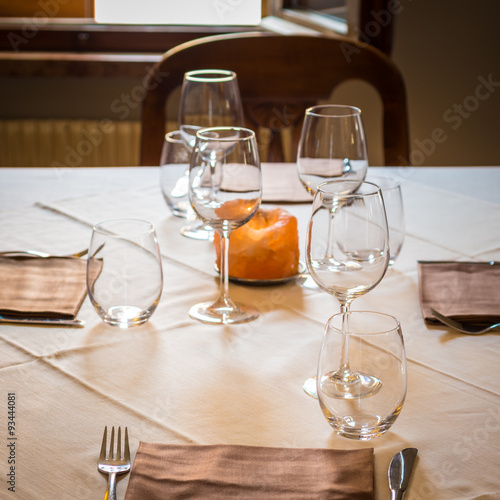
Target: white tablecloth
[(176, 380)]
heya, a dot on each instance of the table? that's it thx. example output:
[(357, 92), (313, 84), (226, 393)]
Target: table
[(175, 380)]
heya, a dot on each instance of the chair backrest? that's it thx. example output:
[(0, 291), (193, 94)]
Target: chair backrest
[(279, 77)]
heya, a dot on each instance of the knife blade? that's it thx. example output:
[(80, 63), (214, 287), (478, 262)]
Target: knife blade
[(400, 471), (42, 321)]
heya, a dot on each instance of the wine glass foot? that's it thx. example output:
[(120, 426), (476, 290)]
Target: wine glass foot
[(310, 387), (304, 280), (208, 312), (357, 385), (198, 232)]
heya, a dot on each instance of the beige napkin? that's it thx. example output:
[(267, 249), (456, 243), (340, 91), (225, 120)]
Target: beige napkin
[(171, 471), (281, 184), (42, 287), (461, 290)]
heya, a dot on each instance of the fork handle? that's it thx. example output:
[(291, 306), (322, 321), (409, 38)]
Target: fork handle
[(111, 490)]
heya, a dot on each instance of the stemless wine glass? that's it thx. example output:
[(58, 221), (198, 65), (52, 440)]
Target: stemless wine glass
[(332, 146), (393, 201), (209, 98), (174, 174), (375, 344), (125, 256), (225, 190), (347, 255)]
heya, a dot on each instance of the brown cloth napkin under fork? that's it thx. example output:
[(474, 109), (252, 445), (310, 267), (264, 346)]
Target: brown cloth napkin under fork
[(171, 471), (465, 291), (52, 287)]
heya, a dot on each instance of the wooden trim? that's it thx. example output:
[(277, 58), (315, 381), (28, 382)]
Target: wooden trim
[(34, 36), (72, 48), (56, 64)]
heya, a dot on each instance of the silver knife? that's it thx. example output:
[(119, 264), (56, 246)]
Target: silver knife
[(400, 471), (42, 321)]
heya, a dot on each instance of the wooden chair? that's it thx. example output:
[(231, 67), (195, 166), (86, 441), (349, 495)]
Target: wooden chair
[(279, 76)]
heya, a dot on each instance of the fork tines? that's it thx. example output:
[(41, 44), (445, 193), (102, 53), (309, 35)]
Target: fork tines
[(111, 455)]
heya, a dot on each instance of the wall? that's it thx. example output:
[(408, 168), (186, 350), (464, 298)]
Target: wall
[(447, 50)]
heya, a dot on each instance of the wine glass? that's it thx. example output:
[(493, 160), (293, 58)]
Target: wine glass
[(347, 255), (209, 98), (376, 346), (332, 146), (225, 190)]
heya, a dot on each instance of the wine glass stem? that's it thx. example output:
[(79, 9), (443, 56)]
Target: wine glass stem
[(224, 270), (213, 193), (345, 371), (336, 205)]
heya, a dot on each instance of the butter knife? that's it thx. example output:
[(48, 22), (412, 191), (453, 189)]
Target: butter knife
[(400, 471), (42, 321)]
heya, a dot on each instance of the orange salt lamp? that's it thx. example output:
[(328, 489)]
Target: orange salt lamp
[(266, 247)]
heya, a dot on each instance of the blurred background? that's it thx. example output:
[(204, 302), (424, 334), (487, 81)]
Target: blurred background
[(447, 52)]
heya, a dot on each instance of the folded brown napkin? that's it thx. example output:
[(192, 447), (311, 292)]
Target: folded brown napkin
[(465, 291), (171, 471), (42, 287)]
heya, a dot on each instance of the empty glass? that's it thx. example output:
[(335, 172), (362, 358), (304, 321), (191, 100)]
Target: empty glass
[(209, 98), (393, 200), (174, 174), (332, 147), (347, 252), (373, 343), (125, 256), (225, 189)]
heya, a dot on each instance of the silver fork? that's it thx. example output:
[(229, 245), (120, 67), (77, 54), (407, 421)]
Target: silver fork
[(461, 327), (114, 463)]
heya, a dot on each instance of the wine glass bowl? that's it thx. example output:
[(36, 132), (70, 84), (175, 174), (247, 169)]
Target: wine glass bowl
[(225, 190), (332, 146), (347, 244), (209, 98)]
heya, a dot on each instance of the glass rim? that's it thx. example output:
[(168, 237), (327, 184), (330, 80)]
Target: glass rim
[(389, 182), (250, 134), (221, 75), (315, 110), (101, 228), (354, 194), (170, 136), (390, 317)]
